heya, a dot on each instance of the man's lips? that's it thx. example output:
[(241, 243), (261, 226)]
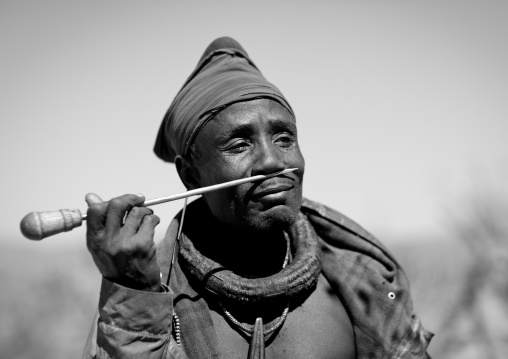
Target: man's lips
[(272, 187)]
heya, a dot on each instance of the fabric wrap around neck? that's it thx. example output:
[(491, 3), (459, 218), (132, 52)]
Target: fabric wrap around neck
[(293, 280)]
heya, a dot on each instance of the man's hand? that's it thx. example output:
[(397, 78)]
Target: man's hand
[(120, 238)]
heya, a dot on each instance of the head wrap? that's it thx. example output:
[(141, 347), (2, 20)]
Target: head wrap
[(224, 75)]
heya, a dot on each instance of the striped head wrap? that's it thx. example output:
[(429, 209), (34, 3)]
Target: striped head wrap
[(224, 75)]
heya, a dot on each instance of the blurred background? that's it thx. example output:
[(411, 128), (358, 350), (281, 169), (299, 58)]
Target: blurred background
[(403, 118)]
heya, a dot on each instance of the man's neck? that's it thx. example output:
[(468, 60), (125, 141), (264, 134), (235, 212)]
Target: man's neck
[(247, 253)]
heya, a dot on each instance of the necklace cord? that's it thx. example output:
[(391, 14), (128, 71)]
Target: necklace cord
[(249, 328)]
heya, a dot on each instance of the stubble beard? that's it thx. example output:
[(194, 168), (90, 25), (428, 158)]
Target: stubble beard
[(273, 219)]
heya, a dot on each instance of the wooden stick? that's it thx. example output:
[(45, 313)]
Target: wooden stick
[(38, 225), (215, 187)]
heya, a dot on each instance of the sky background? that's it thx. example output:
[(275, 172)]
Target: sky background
[(402, 107)]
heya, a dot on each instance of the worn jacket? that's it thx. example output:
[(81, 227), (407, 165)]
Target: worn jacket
[(364, 275)]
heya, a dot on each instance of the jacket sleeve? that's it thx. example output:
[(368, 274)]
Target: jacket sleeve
[(132, 324)]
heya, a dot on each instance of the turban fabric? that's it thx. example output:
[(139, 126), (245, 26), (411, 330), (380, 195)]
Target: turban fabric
[(224, 75)]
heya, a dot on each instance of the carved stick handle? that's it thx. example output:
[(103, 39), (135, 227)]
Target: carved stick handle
[(39, 225)]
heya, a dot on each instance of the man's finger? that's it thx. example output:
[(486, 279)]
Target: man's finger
[(118, 207), (148, 225), (96, 216), (134, 218), (92, 198)]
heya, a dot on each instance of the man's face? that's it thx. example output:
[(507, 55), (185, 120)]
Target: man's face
[(248, 139)]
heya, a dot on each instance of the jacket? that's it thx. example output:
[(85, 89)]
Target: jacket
[(364, 275)]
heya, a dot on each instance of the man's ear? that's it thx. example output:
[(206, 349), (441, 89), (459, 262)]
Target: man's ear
[(187, 173)]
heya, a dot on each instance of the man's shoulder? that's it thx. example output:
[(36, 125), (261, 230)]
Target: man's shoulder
[(337, 229), (371, 283), (336, 218)]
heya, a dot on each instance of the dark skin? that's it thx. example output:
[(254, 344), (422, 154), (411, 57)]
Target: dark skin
[(123, 250), (245, 139), (243, 226), (222, 244), (240, 228)]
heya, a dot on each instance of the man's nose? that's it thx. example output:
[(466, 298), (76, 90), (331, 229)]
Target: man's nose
[(268, 160)]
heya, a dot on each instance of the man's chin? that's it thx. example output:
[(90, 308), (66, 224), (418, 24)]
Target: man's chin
[(274, 218)]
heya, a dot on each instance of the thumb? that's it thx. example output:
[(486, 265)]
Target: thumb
[(92, 198)]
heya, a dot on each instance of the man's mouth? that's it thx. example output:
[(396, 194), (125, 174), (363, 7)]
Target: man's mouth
[(272, 189)]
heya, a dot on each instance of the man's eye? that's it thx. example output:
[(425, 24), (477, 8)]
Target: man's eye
[(238, 146), (284, 140)]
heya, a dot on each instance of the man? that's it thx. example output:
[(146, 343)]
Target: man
[(251, 254)]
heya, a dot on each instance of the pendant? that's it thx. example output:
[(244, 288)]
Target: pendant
[(257, 342)]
